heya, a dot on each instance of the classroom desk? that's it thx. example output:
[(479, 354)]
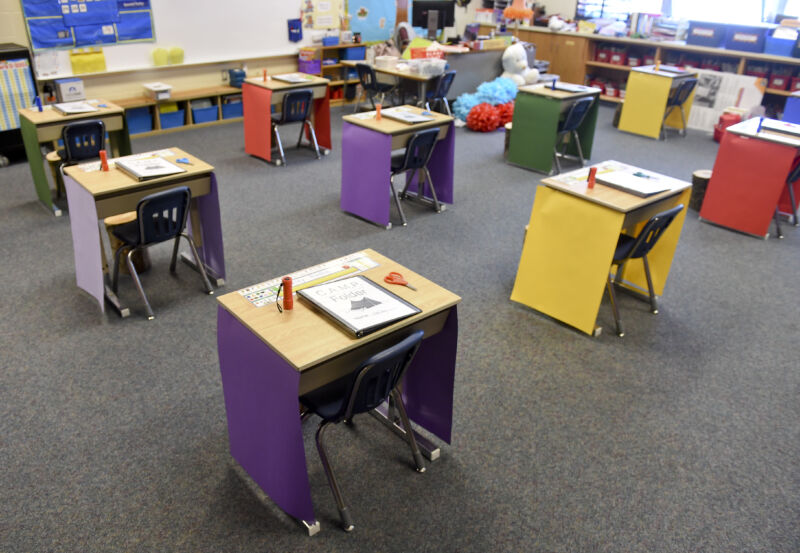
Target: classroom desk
[(749, 176), (268, 359), (537, 111), (571, 238), (45, 126), (422, 81), (367, 147), (646, 97), (258, 97), (93, 195)]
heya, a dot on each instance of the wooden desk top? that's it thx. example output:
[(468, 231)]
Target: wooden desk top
[(305, 338), (651, 70), (276, 84), (394, 72), (559, 94), (575, 183), (50, 115), (771, 131), (103, 184), (393, 126)]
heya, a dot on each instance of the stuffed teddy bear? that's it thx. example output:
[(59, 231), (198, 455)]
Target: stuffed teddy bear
[(515, 66)]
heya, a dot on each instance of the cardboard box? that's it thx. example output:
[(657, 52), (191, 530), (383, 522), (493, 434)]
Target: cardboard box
[(69, 90), (158, 91)]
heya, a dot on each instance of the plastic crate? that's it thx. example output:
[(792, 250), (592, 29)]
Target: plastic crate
[(702, 33), (746, 38), (139, 120), (778, 46), (204, 115), (231, 110), (312, 67), (357, 53), (618, 58), (330, 41), (795, 85), (779, 81), (172, 119)]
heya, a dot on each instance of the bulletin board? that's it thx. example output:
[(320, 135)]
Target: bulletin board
[(206, 31)]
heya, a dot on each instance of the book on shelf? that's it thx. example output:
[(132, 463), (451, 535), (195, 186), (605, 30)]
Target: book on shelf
[(358, 305), (638, 183), (405, 115), (72, 108), (143, 168)]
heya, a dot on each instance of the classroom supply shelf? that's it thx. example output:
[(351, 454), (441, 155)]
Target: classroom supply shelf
[(582, 58), (145, 118), (312, 61)]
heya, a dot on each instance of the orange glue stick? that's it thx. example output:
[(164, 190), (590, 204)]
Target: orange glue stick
[(288, 299), (377, 112), (265, 75), (103, 160), (592, 173)]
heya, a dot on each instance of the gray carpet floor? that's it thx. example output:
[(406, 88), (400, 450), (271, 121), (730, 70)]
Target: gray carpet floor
[(682, 436)]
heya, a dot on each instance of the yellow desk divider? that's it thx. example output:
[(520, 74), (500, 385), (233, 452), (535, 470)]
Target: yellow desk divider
[(89, 60)]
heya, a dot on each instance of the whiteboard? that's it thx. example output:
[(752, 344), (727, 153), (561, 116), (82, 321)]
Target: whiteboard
[(208, 31)]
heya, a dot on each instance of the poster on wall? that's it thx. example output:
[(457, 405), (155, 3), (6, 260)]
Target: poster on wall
[(717, 90), (374, 19), (327, 14), (76, 23)]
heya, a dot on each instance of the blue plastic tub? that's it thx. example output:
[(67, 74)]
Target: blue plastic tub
[(747, 38), (204, 115), (139, 120), (330, 41), (357, 53), (172, 119), (231, 110), (702, 33), (778, 46)]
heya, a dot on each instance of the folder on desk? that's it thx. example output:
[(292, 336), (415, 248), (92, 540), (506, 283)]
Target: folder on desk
[(293, 78), (358, 305), (641, 185), (410, 117), (143, 168)]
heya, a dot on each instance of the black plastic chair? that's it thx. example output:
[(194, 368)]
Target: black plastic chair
[(296, 109), (568, 126), (160, 217), (371, 85), (676, 100), (373, 382), (794, 174), (629, 247), (439, 95), (415, 158), (83, 141)]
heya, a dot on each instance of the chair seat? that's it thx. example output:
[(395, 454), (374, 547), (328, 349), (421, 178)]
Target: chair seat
[(328, 400), (128, 233), (624, 246)]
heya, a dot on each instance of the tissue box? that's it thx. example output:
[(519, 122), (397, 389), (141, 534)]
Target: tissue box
[(69, 90), (158, 91)]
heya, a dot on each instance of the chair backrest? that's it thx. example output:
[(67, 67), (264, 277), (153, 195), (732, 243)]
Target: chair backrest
[(444, 84), (83, 140), (162, 215), (653, 230), (297, 105), (375, 378), (419, 149), (682, 93), (576, 114), (366, 74), (794, 174)]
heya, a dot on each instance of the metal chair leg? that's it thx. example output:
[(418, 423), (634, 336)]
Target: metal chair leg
[(138, 283), (115, 277), (313, 137), (436, 205), (555, 158), (663, 132), (778, 224), (613, 298), (397, 201), (174, 261), (412, 441), (280, 145), (447, 106), (578, 146), (683, 121), (794, 204), (200, 266), (344, 514), (651, 292)]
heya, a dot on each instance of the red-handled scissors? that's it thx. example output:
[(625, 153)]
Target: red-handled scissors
[(397, 278)]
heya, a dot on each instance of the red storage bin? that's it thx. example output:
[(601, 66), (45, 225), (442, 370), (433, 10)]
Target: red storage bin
[(795, 85), (618, 58), (603, 54)]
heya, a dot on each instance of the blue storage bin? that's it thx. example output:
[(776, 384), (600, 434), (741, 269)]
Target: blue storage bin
[(232, 110), (139, 120), (204, 115), (357, 53), (778, 46), (172, 119), (702, 33), (747, 38), (330, 41)]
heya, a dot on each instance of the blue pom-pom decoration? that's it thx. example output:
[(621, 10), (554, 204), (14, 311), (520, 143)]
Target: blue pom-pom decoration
[(463, 104), (499, 91)]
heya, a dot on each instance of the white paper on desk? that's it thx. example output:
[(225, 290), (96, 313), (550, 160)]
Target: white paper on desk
[(639, 184), (716, 91)]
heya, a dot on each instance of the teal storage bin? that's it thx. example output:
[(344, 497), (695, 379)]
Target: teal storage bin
[(232, 110), (172, 119), (204, 115), (139, 120)]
